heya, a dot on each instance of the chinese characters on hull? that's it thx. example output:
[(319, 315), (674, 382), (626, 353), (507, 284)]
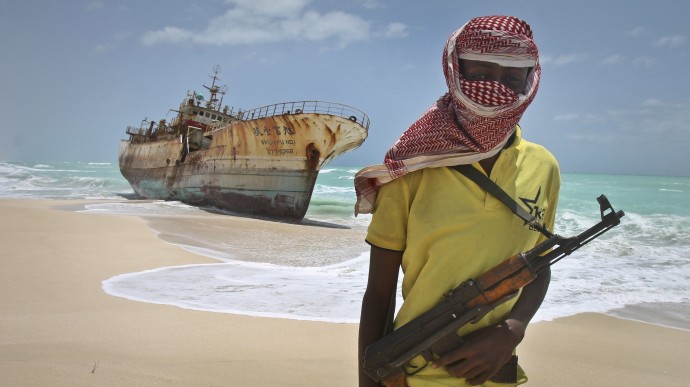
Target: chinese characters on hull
[(272, 143)]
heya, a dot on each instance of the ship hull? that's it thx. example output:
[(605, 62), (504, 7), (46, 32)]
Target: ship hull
[(273, 194), (264, 167)]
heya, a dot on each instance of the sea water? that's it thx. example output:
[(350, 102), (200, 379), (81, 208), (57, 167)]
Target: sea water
[(644, 261)]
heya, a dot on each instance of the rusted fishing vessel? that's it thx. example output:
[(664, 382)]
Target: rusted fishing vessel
[(262, 162)]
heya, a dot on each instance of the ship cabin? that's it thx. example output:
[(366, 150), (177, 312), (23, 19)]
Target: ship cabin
[(208, 116)]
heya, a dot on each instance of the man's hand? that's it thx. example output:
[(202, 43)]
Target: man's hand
[(484, 352)]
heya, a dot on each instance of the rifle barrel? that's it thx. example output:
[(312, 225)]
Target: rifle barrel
[(566, 246)]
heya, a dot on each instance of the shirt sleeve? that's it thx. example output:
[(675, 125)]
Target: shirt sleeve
[(388, 227)]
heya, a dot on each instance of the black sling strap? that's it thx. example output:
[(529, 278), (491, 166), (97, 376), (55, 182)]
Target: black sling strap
[(483, 181)]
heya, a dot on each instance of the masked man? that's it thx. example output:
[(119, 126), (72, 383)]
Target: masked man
[(443, 229)]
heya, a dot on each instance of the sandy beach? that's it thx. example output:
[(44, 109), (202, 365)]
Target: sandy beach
[(59, 328)]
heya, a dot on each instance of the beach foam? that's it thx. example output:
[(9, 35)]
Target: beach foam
[(609, 274), (644, 260)]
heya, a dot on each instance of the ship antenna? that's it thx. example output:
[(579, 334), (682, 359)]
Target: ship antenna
[(223, 90), (213, 89)]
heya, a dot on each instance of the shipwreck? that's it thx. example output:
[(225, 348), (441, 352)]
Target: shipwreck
[(261, 162)]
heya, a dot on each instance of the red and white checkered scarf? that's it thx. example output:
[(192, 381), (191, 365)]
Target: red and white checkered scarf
[(471, 122)]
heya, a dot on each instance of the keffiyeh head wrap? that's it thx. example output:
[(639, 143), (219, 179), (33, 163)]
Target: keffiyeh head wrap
[(471, 122)]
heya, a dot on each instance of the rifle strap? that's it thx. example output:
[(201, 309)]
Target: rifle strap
[(494, 189)]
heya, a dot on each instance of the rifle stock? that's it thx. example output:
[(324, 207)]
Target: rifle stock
[(433, 333)]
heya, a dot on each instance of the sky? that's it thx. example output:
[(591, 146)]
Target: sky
[(614, 96)]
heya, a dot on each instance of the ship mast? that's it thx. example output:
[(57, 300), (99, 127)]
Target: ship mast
[(213, 101)]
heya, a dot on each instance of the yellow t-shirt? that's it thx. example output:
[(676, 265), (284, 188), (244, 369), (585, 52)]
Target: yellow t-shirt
[(451, 230)]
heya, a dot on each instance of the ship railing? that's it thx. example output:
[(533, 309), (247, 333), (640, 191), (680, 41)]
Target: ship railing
[(136, 131), (144, 132), (299, 107)]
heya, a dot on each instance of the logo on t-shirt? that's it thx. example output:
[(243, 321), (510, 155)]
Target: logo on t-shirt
[(534, 208)]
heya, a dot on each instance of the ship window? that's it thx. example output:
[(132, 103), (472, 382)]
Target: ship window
[(201, 113), (213, 116), (194, 112), (208, 114)]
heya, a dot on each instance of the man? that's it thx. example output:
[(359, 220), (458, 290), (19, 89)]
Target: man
[(442, 228)]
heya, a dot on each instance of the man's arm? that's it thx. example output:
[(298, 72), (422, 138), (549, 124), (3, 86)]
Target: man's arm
[(488, 349), (384, 266)]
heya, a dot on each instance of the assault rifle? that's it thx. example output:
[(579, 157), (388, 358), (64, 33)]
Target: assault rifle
[(433, 333)]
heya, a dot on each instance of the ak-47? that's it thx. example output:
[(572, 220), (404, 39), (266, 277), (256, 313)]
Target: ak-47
[(433, 333)]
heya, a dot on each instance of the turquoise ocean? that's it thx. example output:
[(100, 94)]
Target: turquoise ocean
[(639, 270)]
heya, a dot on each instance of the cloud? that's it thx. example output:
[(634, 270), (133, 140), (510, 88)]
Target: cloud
[(269, 7), (670, 41), (372, 4), (613, 59), (644, 61), (102, 47), (122, 35), (95, 4), (117, 38), (567, 117), (395, 30), (598, 138), (652, 121), (637, 32), (251, 22), (652, 102), (660, 121), (564, 59), (166, 35)]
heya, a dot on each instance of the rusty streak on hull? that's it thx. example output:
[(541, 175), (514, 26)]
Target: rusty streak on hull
[(265, 166)]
